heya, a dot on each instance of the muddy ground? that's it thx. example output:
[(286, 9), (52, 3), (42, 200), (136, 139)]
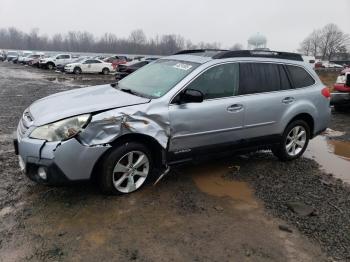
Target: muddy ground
[(241, 208)]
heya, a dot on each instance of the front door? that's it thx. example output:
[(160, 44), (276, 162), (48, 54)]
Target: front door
[(218, 120)]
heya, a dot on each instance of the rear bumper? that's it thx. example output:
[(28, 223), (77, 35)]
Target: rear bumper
[(340, 98)]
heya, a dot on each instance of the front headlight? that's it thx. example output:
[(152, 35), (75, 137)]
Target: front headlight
[(61, 130)]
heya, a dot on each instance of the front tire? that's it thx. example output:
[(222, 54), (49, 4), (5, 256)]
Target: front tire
[(77, 71), (105, 71), (126, 169), (294, 141)]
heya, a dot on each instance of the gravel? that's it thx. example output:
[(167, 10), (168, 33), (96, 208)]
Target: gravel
[(317, 204)]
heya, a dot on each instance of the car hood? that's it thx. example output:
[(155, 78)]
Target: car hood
[(80, 101)]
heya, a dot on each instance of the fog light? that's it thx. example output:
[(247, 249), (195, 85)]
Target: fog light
[(42, 173)]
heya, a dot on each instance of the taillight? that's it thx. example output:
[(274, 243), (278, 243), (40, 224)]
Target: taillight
[(326, 93)]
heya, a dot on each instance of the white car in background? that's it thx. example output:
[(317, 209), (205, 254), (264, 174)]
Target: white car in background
[(52, 61), (332, 65), (23, 56), (89, 66)]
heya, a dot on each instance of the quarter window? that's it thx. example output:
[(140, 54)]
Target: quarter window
[(218, 81), (300, 77)]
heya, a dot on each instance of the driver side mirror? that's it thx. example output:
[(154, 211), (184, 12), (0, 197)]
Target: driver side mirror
[(191, 96), (347, 80)]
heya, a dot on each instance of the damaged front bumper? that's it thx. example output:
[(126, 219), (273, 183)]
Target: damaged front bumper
[(57, 162)]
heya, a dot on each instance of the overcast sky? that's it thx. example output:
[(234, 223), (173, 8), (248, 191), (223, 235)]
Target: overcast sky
[(285, 23)]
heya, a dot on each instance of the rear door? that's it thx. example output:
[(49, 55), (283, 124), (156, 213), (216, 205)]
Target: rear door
[(218, 120), (265, 92)]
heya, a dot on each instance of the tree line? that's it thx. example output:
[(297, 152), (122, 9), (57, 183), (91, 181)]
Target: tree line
[(78, 41), (325, 42)]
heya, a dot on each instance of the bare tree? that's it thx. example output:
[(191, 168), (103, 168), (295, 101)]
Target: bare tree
[(325, 42), (333, 41), (78, 41)]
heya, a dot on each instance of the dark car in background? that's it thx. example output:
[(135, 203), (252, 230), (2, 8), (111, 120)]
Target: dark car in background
[(12, 56), (127, 69), (2, 56)]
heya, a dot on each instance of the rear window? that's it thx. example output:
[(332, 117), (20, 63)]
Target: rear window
[(300, 77)]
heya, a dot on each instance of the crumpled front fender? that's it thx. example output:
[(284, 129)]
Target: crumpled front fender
[(105, 127)]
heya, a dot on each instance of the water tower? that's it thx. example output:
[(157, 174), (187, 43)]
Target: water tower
[(257, 41)]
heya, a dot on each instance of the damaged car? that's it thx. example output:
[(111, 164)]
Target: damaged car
[(179, 108)]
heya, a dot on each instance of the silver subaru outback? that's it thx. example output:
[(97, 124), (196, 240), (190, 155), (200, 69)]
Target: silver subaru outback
[(176, 109)]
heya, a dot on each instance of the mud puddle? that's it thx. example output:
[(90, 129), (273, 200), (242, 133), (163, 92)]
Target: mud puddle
[(211, 178), (332, 155)]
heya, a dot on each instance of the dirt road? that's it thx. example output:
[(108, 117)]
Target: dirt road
[(233, 209)]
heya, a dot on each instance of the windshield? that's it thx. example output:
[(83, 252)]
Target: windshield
[(156, 79)]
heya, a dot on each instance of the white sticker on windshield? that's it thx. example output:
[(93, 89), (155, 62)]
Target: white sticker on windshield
[(182, 66)]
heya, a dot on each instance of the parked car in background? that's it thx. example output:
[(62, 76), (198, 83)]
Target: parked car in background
[(179, 108), (319, 64), (100, 57), (311, 60), (11, 55), (116, 60), (151, 58), (340, 98), (60, 67), (2, 56), (128, 68), (332, 65), (89, 66), (51, 62), (23, 56), (33, 60)]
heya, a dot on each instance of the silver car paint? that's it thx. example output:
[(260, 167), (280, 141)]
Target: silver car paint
[(80, 101), (174, 127)]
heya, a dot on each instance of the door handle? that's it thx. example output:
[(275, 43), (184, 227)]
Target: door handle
[(235, 108), (288, 100)]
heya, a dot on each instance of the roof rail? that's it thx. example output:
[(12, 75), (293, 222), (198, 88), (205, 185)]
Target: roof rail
[(195, 51), (259, 53)]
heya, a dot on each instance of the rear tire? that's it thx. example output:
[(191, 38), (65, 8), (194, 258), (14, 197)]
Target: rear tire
[(126, 169), (77, 70), (294, 141), (105, 71)]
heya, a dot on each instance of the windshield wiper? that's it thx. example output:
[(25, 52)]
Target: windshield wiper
[(130, 91)]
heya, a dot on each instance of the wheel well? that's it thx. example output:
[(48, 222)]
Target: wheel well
[(105, 68), (308, 119), (158, 153), (77, 67)]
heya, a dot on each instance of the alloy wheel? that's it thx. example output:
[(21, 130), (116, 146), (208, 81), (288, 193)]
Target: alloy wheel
[(295, 141), (131, 171)]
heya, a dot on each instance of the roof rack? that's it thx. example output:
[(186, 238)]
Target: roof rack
[(196, 51), (259, 53)]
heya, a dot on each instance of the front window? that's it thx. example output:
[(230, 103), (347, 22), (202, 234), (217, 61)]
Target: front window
[(156, 79)]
